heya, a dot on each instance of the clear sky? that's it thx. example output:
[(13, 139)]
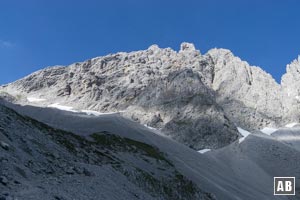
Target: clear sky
[(39, 33)]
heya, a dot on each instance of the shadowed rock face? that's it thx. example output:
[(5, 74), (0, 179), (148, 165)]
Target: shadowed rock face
[(196, 99)]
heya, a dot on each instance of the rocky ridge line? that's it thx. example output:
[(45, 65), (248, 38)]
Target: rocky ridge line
[(196, 99)]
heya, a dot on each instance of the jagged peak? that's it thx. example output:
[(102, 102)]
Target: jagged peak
[(296, 61), (154, 47), (292, 71), (219, 52), (185, 46)]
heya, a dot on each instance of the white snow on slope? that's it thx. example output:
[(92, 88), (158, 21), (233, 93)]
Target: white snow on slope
[(96, 113), (60, 107), (204, 150), (289, 138), (149, 127), (244, 134), (34, 99), (291, 125), (268, 130)]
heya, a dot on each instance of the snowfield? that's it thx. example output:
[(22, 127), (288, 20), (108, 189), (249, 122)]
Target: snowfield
[(149, 127), (34, 99), (244, 134), (268, 130), (291, 125), (204, 150), (95, 113), (61, 107)]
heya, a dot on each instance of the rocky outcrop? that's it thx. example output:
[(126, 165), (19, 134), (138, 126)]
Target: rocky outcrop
[(157, 87), (291, 87), (249, 96), (196, 99)]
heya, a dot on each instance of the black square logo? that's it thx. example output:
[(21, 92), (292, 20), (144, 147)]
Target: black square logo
[(284, 185)]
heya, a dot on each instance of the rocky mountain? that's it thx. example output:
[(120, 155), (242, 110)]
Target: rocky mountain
[(196, 99)]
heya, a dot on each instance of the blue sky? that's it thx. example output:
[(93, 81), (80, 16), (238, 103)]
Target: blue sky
[(39, 33)]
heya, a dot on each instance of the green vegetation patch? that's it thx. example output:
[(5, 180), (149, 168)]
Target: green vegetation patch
[(128, 145)]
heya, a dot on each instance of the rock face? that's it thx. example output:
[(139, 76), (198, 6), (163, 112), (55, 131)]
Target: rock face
[(291, 86), (196, 99), (249, 96)]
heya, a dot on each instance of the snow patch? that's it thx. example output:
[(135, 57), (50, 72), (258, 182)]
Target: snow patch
[(149, 127), (268, 130), (204, 150), (241, 140), (34, 99), (289, 138), (244, 134), (291, 125), (96, 113), (60, 107)]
